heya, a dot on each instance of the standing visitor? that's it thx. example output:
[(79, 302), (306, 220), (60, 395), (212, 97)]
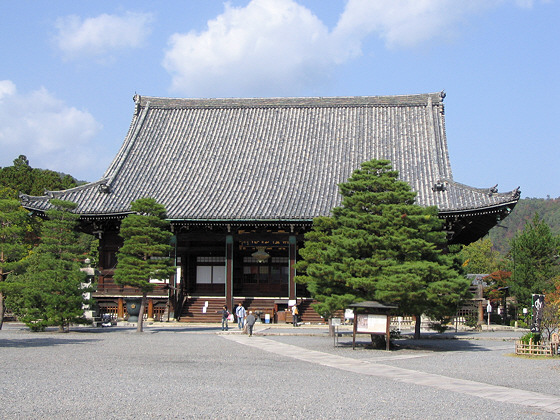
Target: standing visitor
[(295, 314), (240, 313), (251, 322), (225, 314)]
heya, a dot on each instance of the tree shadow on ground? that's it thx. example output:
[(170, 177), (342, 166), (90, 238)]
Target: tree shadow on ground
[(433, 344), (148, 329), (41, 342), (186, 329)]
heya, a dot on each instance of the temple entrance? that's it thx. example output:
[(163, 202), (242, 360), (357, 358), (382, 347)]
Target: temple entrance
[(262, 278), (259, 268)]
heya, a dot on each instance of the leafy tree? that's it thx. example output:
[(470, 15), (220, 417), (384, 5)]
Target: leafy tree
[(21, 177), (14, 223), (18, 177), (146, 249), (380, 245), (550, 321), (534, 253), (480, 257), (50, 292), (8, 193)]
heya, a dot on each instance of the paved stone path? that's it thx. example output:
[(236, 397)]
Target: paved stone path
[(544, 402)]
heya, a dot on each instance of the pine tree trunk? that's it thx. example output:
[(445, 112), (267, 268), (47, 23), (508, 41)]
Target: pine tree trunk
[(2, 309), (140, 325), (417, 327)]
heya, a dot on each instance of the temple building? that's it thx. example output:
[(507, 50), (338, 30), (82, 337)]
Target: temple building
[(242, 180)]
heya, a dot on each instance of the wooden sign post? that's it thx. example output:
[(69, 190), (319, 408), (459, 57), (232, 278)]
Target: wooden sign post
[(372, 318)]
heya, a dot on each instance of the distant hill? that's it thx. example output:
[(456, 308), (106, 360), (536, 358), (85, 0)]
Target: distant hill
[(548, 210)]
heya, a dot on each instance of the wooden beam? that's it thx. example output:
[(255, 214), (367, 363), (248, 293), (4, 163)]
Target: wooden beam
[(229, 272)]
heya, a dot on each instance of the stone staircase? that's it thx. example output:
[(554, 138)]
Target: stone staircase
[(193, 309)]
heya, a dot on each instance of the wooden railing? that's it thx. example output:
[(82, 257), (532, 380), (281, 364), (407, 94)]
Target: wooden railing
[(536, 349)]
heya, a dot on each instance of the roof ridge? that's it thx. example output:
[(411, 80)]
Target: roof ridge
[(489, 190), (311, 101), (127, 145), (53, 194)]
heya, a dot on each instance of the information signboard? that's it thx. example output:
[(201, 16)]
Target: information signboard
[(371, 324)]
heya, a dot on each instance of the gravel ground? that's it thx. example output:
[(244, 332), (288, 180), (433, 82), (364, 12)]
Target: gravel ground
[(189, 372), (484, 359)]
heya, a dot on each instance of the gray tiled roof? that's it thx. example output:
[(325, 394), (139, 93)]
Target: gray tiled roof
[(274, 159)]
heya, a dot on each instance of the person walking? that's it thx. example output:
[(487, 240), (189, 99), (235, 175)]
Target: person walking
[(250, 322), (240, 312), (225, 313), (295, 314)]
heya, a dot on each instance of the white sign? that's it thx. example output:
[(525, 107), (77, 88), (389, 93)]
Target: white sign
[(371, 323)]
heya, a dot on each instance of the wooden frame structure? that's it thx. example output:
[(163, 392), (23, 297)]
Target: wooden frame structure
[(372, 318)]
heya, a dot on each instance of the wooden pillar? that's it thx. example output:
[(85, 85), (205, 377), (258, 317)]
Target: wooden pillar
[(150, 309), (120, 309), (354, 328), (388, 333), (229, 272), (292, 271)]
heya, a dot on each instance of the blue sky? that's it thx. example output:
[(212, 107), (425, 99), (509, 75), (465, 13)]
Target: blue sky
[(69, 70)]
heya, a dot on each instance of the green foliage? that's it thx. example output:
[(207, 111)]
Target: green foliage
[(535, 338), (8, 193), (14, 246), (14, 225), (146, 249), (439, 327), (520, 323), (379, 245), (50, 292), (480, 257), (471, 319), (21, 177), (534, 253)]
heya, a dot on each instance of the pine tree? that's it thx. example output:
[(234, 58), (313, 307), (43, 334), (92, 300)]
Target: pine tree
[(50, 292), (535, 262), (145, 253), (380, 245), (14, 224)]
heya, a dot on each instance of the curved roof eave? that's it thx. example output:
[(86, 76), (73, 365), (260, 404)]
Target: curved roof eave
[(256, 159)]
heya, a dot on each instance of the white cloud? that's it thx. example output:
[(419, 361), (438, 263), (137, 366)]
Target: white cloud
[(276, 47), (50, 133), (101, 35), (264, 47), (7, 88)]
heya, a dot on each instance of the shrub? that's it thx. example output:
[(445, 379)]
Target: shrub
[(471, 320), (536, 337), (520, 323), (438, 326)]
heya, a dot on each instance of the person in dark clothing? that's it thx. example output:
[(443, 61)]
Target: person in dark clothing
[(250, 321), (225, 313)]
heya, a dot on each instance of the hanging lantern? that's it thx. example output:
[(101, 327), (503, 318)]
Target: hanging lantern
[(261, 255)]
